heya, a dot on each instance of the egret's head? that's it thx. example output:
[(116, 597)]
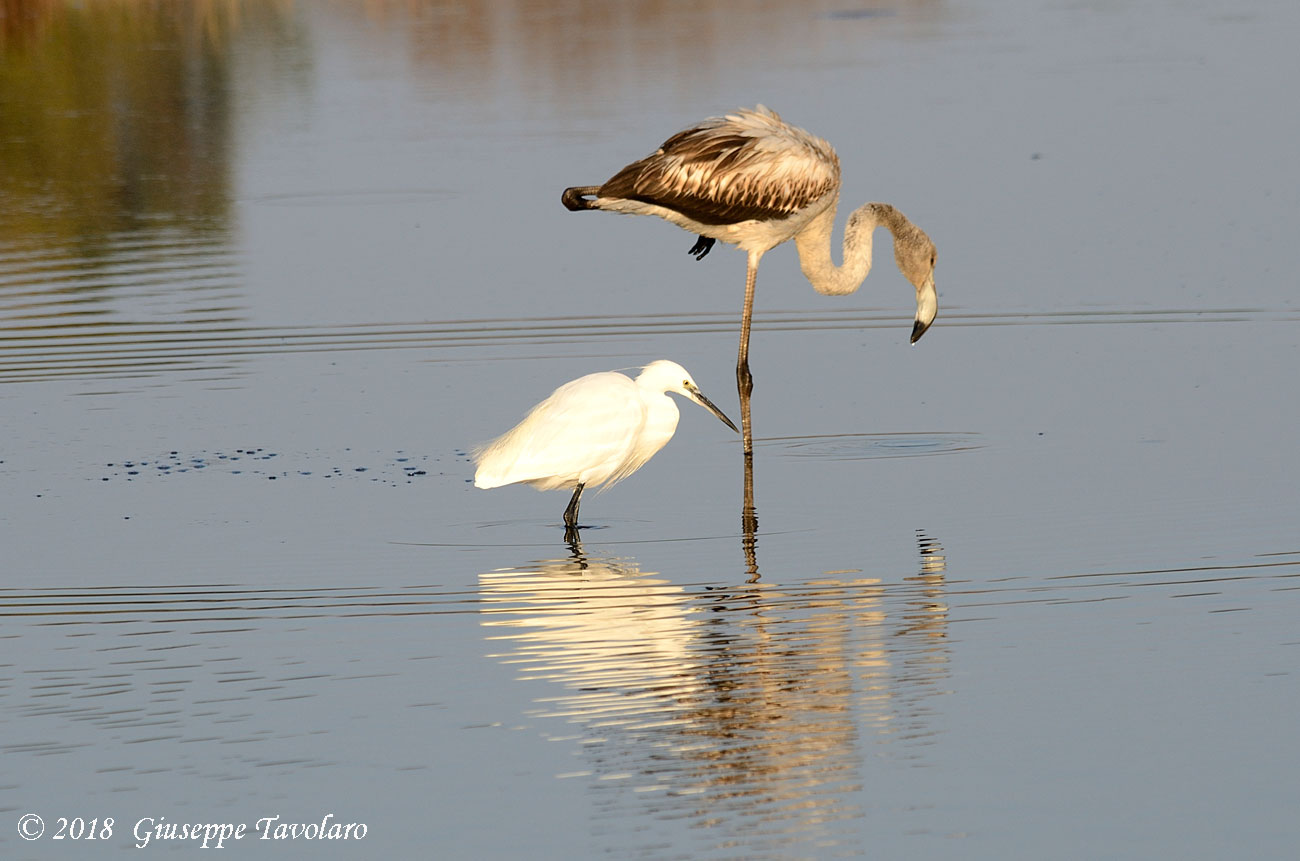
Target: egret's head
[(667, 376)]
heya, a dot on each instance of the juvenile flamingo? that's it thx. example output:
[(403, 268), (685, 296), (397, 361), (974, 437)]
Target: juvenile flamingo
[(754, 181)]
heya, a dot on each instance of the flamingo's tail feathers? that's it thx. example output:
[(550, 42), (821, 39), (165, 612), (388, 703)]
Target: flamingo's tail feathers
[(580, 197)]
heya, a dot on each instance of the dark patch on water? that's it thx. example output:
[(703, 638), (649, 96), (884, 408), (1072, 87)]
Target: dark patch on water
[(859, 14), (392, 468)]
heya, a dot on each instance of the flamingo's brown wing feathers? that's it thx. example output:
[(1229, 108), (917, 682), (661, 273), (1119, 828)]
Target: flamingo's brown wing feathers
[(729, 169)]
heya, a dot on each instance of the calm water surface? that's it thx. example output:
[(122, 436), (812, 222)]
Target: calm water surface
[(269, 270)]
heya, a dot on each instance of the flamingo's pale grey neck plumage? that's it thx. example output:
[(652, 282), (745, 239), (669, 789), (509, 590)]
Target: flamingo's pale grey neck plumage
[(913, 252)]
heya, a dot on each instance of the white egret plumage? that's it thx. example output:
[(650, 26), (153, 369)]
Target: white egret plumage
[(754, 181), (594, 430)]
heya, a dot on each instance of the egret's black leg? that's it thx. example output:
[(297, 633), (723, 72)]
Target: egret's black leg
[(703, 245), (571, 513)]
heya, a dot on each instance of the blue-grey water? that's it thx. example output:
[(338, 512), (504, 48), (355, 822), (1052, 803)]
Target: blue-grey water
[(1029, 589)]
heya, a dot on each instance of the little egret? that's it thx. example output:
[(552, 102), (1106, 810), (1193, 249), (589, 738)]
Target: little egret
[(594, 430), (754, 181)]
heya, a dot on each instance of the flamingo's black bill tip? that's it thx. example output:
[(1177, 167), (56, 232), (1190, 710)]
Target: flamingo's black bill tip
[(918, 329)]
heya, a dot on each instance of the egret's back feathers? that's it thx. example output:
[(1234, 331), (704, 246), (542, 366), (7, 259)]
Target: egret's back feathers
[(569, 427)]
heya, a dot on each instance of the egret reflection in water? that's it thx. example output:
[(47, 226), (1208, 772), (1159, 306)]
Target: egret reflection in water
[(746, 708)]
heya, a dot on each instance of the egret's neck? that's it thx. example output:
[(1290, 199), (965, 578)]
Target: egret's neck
[(660, 420)]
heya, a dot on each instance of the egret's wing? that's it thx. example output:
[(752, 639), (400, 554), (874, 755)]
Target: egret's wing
[(748, 165), (582, 432)]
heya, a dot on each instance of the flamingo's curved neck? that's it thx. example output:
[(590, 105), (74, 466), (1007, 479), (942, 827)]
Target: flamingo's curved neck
[(814, 244)]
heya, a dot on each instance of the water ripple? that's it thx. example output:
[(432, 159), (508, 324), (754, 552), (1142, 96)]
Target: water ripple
[(169, 299), (869, 446), (80, 333), (223, 603), (126, 305)]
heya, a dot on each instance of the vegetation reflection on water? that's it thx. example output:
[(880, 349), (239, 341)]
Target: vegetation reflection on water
[(116, 174), (115, 117), (747, 708)]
